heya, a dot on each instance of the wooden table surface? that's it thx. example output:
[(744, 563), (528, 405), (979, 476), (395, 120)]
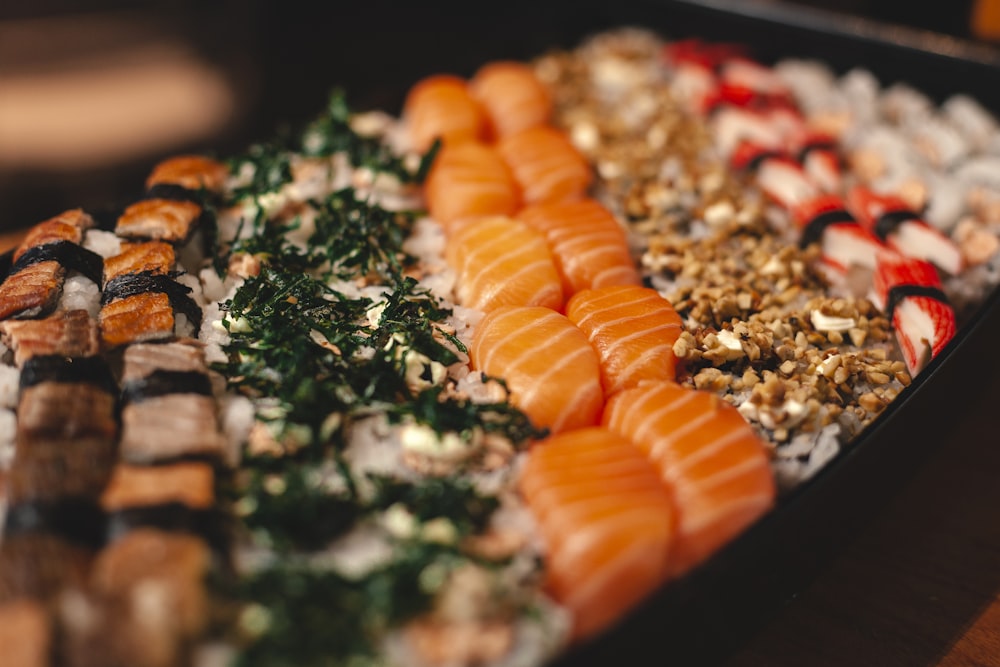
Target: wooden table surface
[(919, 584)]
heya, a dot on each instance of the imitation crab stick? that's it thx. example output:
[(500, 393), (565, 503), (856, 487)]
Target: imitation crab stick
[(607, 521), (909, 291), (513, 97), (551, 369), (888, 217), (469, 180), (501, 261), (545, 164), (632, 328), (441, 107), (589, 245), (715, 465), (844, 242)]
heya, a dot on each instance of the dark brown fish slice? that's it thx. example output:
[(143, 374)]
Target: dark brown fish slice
[(191, 172), (66, 430), (67, 226), (188, 483), (150, 370), (65, 411), (33, 291), (167, 220), (40, 566), (119, 628), (49, 469), (170, 427), (71, 333), (144, 283), (154, 257), (175, 497), (26, 633), (137, 318), (142, 359), (44, 233)]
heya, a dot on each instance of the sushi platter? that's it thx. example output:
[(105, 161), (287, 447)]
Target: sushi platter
[(592, 344)]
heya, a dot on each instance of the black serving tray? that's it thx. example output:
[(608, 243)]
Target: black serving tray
[(707, 616), (376, 49)]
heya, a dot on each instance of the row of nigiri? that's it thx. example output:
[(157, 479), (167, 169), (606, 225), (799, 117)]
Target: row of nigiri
[(640, 478), (759, 128), (110, 493)]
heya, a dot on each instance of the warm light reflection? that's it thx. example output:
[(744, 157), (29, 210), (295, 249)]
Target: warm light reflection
[(131, 99)]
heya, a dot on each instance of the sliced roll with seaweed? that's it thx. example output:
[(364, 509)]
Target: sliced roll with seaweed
[(179, 206), (49, 254), (142, 300), (177, 497), (63, 456), (169, 409), (144, 602)]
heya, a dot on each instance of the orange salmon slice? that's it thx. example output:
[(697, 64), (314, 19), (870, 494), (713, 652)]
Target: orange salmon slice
[(709, 456), (606, 520), (501, 261), (632, 328), (551, 370), (589, 244), (513, 97), (440, 107), (469, 180), (545, 164)]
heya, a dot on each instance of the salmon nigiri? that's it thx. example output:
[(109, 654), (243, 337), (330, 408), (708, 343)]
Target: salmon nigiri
[(632, 328), (546, 165), (502, 261), (513, 97), (551, 370), (710, 457), (606, 520), (469, 180), (440, 106), (589, 244)]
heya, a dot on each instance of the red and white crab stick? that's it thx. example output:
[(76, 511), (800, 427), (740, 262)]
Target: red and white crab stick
[(908, 290), (889, 218), (759, 129)]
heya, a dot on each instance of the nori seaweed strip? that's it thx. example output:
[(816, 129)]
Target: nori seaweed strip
[(813, 231), (132, 284), (68, 254), (6, 263), (900, 292), (212, 525), (174, 192), (163, 382), (821, 144), (754, 163), (79, 520), (890, 220), (57, 368)]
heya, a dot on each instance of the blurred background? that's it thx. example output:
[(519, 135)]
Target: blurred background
[(93, 93)]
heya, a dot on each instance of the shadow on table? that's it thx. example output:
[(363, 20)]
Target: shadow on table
[(909, 587)]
